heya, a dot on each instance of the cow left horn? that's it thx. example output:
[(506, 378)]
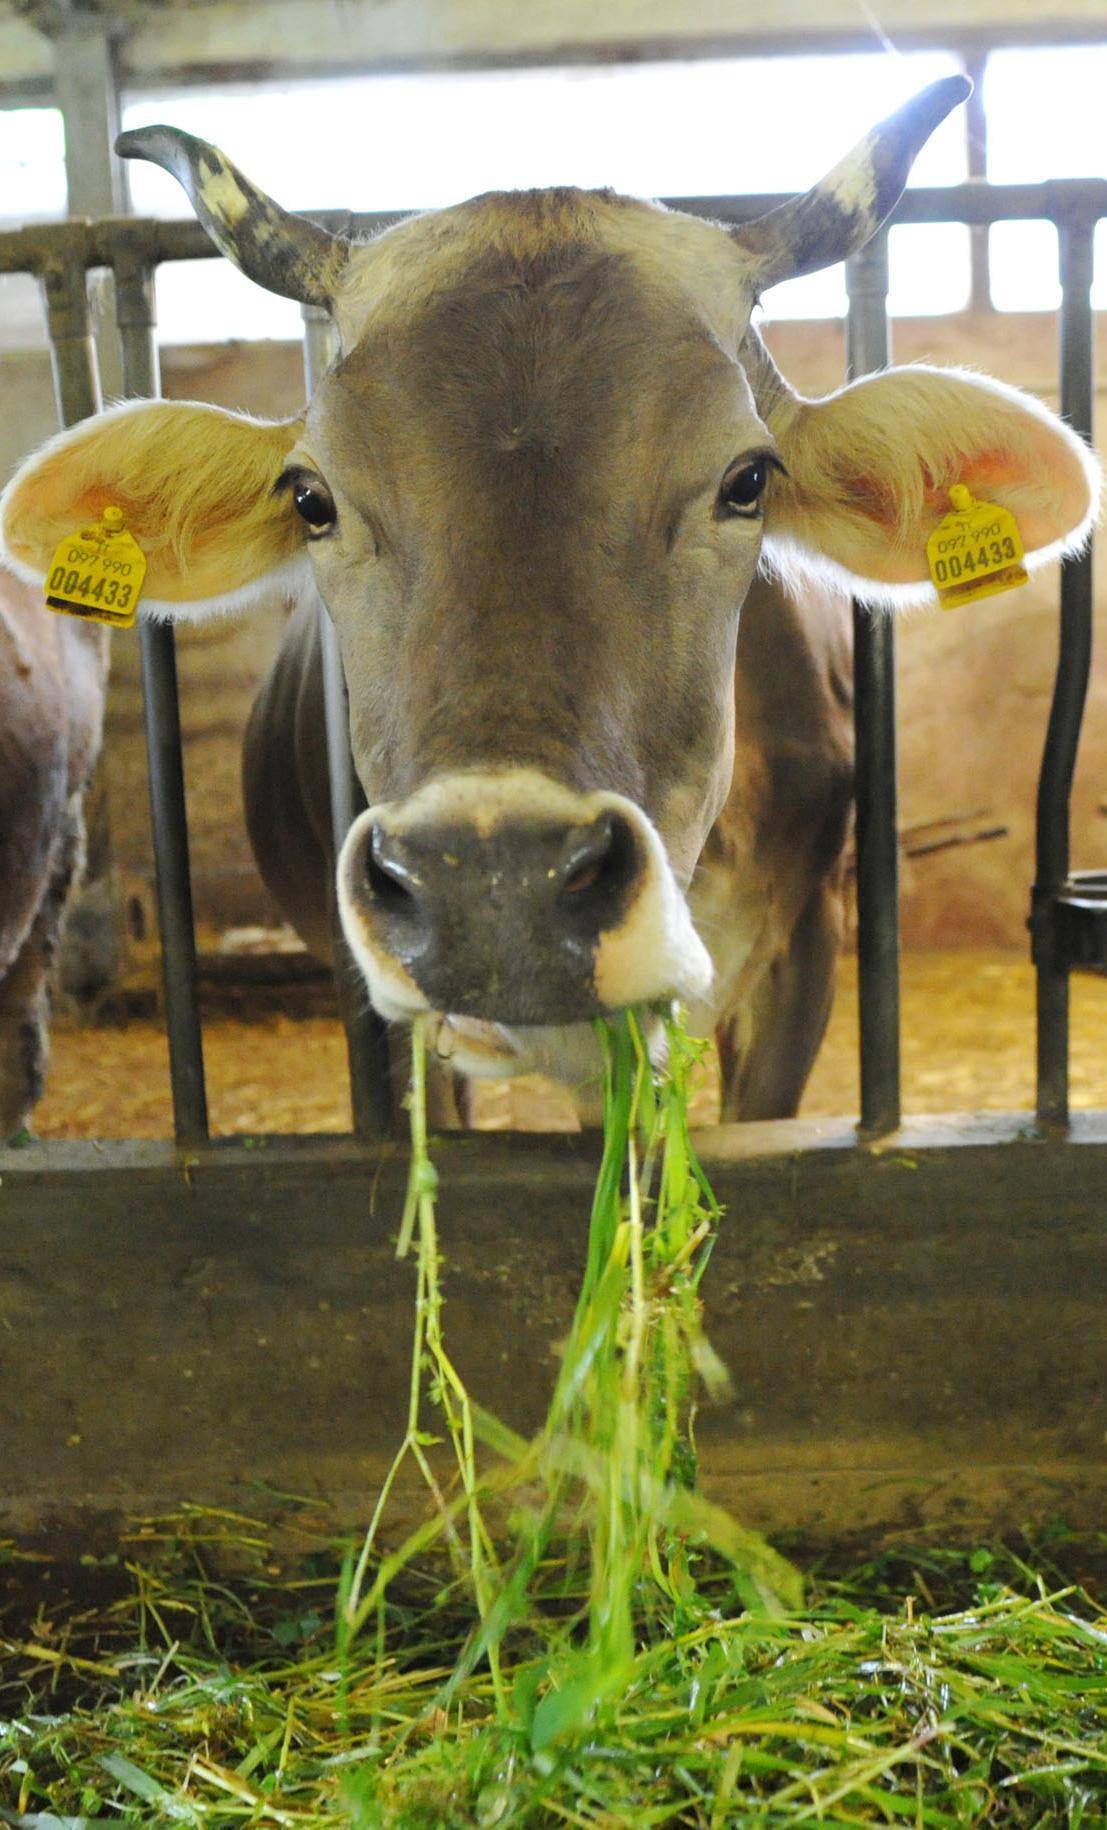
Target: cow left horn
[(281, 251), (842, 213)]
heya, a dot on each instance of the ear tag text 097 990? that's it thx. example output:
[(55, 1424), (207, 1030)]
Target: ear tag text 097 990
[(975, 551), (98, 573)]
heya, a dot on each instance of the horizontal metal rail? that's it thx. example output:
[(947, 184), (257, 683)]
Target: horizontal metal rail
[(1063, 907), (96, 244)]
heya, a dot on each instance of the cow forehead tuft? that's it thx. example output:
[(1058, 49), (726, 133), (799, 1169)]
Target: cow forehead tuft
[(537, 236), (553, 363)]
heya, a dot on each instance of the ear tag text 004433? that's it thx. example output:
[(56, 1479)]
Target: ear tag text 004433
[(975, 551), (98, 573)]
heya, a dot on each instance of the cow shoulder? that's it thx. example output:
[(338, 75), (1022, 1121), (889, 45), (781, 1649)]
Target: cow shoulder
[(794, 703), (786, 820)]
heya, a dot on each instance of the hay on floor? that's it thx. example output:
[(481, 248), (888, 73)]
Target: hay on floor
[(968, 1045)]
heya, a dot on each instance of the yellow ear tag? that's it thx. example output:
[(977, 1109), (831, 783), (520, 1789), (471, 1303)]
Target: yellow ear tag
[(98, 573), (975, 552)]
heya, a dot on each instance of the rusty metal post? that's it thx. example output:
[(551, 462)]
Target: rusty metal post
[(68, 320), (86, 82)]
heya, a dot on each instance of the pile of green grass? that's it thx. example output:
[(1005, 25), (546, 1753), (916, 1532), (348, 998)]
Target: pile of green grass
[(926, 1688), (574, 1635)]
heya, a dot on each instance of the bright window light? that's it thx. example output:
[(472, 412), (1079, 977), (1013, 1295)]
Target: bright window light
[(664, 129), (928, 267), (1045, 120), (32, 159)]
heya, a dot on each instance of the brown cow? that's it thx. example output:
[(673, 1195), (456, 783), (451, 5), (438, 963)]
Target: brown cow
[(534, 491), (53, 672), (774, 930)]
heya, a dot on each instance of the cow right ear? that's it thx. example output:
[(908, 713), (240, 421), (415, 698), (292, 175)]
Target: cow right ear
[(197, 488), (869, 472)]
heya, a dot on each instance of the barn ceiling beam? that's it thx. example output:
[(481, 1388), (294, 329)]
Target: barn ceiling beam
[(314, 34), (175, 41)]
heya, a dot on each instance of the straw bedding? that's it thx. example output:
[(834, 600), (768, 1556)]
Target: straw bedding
[(968, 1041)]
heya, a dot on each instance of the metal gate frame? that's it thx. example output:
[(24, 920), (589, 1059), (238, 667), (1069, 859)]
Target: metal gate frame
[(914, 1312)]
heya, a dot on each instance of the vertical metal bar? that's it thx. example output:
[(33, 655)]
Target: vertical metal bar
[(976, 150), (874, 678), (366, 1032), (134, 292), (1077, 339), (72, 352), (86, 83)]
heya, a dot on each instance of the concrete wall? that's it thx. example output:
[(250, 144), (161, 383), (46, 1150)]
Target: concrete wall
[(974, 684)]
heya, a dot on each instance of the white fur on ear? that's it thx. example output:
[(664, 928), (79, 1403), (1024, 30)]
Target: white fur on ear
[(795, 566), (197, 485), (869, 469), (291, 582)]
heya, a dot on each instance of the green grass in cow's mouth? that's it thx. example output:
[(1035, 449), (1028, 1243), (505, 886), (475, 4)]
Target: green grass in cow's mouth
[(573, 1636), (609, 1479)]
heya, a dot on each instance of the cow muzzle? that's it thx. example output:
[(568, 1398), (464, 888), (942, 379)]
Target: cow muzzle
[(510, 898)]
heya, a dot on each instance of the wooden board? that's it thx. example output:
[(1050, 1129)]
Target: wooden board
[(918, 1335)]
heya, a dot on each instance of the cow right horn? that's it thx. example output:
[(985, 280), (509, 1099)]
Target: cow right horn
[(281, 251), (838, 216)]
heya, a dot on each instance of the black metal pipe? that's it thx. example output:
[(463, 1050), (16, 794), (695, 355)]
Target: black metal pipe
[(874, 683), (367, 1047), (1070, 688), (134, 292)]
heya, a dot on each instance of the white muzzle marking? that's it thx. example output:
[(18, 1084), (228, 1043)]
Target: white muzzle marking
[(653, 951)]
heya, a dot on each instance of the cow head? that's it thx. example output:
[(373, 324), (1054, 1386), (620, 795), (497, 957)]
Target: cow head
[(533, 491)]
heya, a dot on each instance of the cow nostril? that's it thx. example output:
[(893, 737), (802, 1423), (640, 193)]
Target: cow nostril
[(598, 860), (391, 880)]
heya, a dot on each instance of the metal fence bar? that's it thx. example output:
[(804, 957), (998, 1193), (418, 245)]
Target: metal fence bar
[(72, 351), (874, 683), (134, 286), (1058, 200), (1077, 335), (366, 1032)]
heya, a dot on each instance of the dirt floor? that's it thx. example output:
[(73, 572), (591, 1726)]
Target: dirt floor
[(968, 1028)]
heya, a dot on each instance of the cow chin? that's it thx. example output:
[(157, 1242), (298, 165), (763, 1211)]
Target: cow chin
[(494, 1051), (515, 909)]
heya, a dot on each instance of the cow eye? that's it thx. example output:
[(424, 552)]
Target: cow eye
[(742, 488), (314, 504)]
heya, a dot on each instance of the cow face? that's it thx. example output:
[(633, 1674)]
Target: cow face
[(532, 492), (534, 539)]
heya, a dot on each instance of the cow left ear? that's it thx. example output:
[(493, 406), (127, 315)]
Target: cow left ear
[(196, 487), (871, 467)]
